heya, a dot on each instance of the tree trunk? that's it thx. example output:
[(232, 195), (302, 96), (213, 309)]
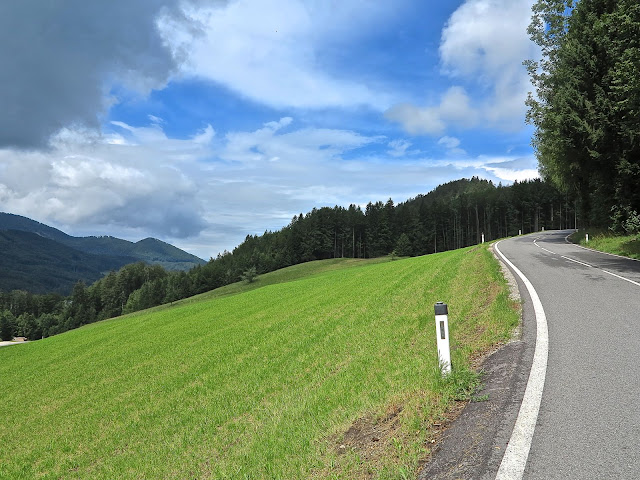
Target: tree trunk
[(477, 226)]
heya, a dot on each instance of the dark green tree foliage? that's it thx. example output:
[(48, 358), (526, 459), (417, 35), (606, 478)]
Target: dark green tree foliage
[(403, 246), (7, 325), (27, 326), (586, 109), (249, 275)]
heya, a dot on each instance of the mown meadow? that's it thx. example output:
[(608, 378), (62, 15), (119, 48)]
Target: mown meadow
[(284, 378)]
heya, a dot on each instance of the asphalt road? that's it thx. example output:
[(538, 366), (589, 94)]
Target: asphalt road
[(588, 423)]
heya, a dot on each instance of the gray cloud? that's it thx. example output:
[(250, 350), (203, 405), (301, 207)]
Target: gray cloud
[(168, 217), (59, 60)]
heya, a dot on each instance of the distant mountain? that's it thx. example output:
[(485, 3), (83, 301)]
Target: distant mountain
[(150, 250), (62, 258), (37, 264), (9, 221)]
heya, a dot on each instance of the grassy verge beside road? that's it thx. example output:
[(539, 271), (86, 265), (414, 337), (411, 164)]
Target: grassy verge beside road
[(604, 241), (330, 373)]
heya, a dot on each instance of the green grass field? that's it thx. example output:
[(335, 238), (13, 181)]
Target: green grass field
[(324, 370), (605, 241)]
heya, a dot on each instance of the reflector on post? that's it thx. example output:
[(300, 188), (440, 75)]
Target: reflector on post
[(442, 337)]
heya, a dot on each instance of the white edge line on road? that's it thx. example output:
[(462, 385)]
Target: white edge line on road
[(576, 261), (517, 451)]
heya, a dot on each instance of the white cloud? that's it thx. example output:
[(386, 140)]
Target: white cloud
[(205, 136), (449, 142), (268, 51), (486, 36), (487, 41), (510, 175), (512, 169), (137, 186), (398, 148), (452, 144), (416, 120), (180, 190), (483, 45), (454, 109), (504, 169)]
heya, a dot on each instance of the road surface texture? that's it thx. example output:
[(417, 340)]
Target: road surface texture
[(588, 426), (588, 422)]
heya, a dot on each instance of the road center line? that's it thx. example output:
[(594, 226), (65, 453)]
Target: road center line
[(517, 452), (576, 261), (548, 251), (597, 268), (620, 277)]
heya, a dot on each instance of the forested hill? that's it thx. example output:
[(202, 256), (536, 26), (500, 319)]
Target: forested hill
[(148, 250), (38, 264), (9, 221), (40, 259), (453, 215)]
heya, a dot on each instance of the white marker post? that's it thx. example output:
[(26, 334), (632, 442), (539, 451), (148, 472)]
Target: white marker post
[(482, 238), (519, 232), (442, 336), (586, 238)]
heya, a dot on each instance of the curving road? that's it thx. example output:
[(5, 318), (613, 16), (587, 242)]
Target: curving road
[(588, 422)]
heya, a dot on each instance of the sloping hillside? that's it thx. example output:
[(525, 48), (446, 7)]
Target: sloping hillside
[(9, 221), (266, 383)]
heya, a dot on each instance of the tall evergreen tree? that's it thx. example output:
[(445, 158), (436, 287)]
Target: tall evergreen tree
[(586, 109)]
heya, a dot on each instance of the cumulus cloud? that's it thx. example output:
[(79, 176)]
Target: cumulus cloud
[(483, 44), (148, 184), (487, 40), (66, 62), (137, 185), (452, 144), (416, 120), (61, 59)]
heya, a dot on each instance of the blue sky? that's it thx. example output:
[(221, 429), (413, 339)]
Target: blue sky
[(199, 122)]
